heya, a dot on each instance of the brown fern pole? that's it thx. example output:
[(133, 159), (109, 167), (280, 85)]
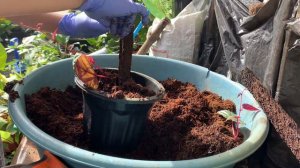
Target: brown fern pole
[(125, 57)]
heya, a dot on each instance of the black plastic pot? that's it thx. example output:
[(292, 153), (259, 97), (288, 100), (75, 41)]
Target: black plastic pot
[(116, 125)]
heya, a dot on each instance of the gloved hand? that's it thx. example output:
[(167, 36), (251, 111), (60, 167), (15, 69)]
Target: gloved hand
[(99, 9), (119, 14), (82, 26)]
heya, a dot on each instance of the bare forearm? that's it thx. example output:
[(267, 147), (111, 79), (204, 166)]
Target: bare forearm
[(48, 21), (28, 7)]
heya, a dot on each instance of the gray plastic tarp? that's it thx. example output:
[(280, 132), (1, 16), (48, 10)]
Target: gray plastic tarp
[(267, 46)]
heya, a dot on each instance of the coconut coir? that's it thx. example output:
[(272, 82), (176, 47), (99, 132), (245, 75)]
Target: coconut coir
[(286, 127), (59, 114), (128, 89), (182, 125)]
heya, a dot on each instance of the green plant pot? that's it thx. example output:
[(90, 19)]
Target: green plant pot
[(116, 125), (60, 75)]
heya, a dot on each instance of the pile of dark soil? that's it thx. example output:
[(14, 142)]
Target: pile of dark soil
[(182, 125), (13, 95), (129, 89), (59, 114), (185, 125)]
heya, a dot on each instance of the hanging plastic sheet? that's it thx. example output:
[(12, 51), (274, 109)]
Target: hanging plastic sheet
[(288, 87), (211, 54), (256, 42)]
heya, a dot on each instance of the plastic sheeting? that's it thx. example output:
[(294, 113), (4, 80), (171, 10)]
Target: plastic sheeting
[(288, 87), (211, 50), (252, 41), (261, 43)]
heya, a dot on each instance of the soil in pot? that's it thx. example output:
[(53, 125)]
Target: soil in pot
[(112, 108), (129, 89), (182, 125)]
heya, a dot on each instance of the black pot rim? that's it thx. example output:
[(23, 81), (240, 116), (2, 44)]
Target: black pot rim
[(104, 95)]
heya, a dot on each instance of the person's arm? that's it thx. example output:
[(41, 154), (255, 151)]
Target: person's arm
[(71, 24), (100, 15), (28, 7), (49, 21)]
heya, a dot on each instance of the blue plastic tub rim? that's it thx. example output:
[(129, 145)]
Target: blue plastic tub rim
[(92, 159)]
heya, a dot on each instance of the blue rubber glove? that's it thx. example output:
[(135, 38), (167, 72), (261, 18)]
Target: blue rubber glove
[(82, 26), (121, 26), (119, 14)]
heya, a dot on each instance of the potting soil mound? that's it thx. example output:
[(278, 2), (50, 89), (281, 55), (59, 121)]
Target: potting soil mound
[(182, 125), (59, 114), (129, 89)]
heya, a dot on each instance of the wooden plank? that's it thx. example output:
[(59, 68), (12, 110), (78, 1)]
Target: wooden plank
[(26, 153)]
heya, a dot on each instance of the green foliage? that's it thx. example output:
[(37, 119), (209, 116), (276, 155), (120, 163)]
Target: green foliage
[(3, 57), (111, 43), (38, 50), (3, 82), (5, 28), (108, 41), (159, 8), (231, 116), (228, 115), (10, 135), (62, 40)]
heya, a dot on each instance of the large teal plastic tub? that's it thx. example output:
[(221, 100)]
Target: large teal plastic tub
[(60, 75)]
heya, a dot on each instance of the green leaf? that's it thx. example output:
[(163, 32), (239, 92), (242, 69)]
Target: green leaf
[(232, 118), (3, 57), (9, 50), (3, 123), (62, 39), (154, 8), (226, 113), (3, 81), (229, 115), (92, 41), (9, 157), (6, 137), (41, 36), (11, 128), (3, 108), (18, 136)]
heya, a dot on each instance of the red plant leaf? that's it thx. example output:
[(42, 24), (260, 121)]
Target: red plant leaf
[(85, 72), (54, 35), (102, 76), (250, 107), (91, 60)]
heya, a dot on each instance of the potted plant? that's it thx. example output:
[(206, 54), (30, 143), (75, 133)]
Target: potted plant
[(114, 121)]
